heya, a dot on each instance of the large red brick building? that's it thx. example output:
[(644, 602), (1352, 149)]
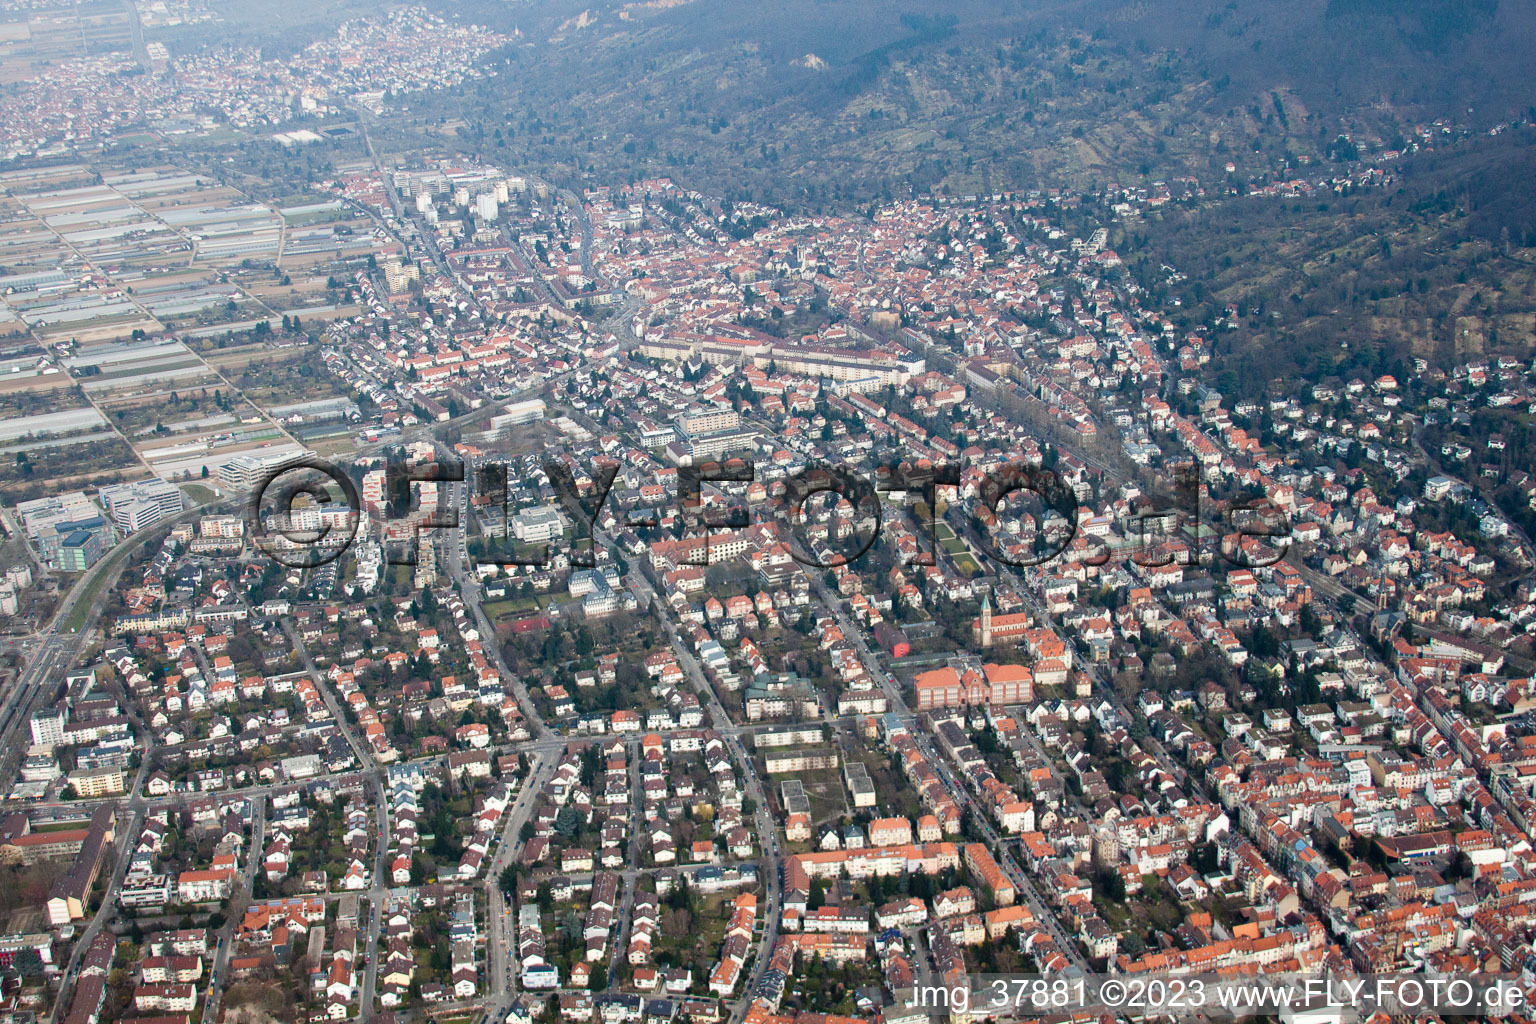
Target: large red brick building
[(949, 687)]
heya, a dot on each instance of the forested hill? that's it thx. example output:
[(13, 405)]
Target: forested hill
[(825, 102)]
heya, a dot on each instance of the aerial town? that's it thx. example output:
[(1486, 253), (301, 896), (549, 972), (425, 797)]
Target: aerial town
[(434, 591)]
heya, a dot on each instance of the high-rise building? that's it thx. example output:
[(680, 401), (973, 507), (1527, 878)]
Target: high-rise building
[(707, 421), (398, 276), (97, 782), (706, 433), (48, 727)]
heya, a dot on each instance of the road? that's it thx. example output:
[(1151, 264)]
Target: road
[(585, 223), (501, 922), (626, 305), (456, 562), (52, 651), (374, 773), (962, 797), (767, 834), (54, 648), (225, 937), (125, 834)]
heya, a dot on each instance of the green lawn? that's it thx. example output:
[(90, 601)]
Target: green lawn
[(99, 573), (495, 610), (58, 826)]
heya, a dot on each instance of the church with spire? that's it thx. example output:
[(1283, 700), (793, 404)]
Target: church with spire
[(990, 629)]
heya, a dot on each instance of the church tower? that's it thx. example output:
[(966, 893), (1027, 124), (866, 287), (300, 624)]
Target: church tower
[(986, 619)]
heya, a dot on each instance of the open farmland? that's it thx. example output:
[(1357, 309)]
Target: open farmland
[(30, 41), (177, 412), (92, 258)]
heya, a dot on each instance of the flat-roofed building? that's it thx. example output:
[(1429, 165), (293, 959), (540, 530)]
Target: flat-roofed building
[(137, 505), (805, 759), (61, 508), (861, 788), (248, 470), (97, 782), (80, 550), (48, 726), (537, 525)]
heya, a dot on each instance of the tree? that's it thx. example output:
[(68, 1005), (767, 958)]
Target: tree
[(28, 963), (508, 878), (679, 897), (568, 821)]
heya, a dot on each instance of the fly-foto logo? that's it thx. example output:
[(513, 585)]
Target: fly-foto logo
[(321, 527)]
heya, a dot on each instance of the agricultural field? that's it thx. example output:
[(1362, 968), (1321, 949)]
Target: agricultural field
[(46, 469), (87, 257), (30, 41), (179, 413), (271, 376)]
